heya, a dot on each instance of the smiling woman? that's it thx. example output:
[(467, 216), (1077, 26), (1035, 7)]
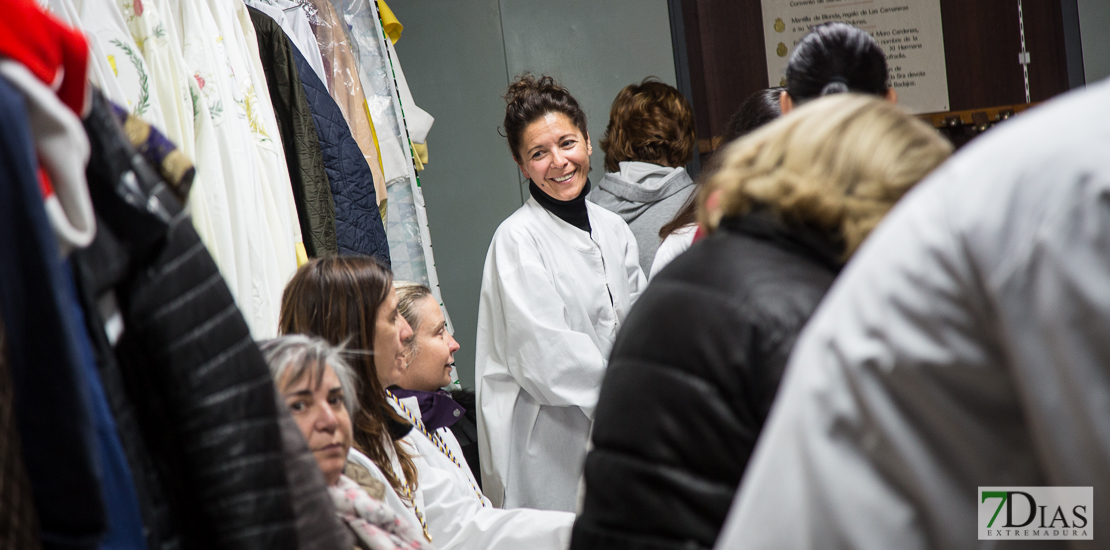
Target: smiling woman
[(560, 275)]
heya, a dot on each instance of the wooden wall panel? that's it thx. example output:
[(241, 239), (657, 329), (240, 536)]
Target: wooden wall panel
[(981, 42), (729, 41)]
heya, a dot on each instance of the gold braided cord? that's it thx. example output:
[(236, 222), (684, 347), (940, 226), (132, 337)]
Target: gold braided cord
[(438, 441)]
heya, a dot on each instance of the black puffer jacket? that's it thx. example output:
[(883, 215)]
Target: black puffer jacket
[(691, 380)]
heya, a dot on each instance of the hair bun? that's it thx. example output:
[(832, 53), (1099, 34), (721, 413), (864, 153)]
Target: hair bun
[(834, 87), (525, 85)]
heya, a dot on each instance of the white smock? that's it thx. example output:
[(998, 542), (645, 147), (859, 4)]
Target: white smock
[(679, 241), (458, 514), (553, 298), (964, 346)]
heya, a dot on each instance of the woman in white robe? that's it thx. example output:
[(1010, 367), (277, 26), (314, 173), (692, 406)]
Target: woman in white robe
[(350, 299), (560, 276)]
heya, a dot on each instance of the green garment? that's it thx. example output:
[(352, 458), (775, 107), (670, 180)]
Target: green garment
[(311, 190)]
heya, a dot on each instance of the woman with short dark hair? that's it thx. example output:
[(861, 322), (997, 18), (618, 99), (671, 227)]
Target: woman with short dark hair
[(560, 275), (649, 139)]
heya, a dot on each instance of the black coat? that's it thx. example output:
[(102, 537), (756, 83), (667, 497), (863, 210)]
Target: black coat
[(311, 191), (216, 464), (691, 380)]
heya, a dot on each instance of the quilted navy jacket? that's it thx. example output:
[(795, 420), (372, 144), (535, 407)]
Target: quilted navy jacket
[(358, 224)]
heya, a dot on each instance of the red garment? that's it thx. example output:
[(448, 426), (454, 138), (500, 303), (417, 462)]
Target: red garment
[(55, 53)]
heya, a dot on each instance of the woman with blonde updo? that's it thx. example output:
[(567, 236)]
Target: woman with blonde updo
[(697, 364)]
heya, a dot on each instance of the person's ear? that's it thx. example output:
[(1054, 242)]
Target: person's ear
[(589, 145), (523, 171), (892, 95), (786, 103)]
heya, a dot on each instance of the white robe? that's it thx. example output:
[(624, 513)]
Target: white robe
[(459, 515), (105, 20), (965, 345), (672, 247), (553, 299)]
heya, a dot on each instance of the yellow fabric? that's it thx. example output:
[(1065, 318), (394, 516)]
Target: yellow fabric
[(390, 24), (374, 134), (382, 195), (302, 254), (420, 155)]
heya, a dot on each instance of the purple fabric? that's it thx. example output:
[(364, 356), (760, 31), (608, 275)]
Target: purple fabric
[(437, 409)]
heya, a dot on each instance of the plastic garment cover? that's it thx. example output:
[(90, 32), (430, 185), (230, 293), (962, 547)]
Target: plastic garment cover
[(296, 26), (409, 239), (341, 70)]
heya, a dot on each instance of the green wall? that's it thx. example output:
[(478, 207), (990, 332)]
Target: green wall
[(459, 58)]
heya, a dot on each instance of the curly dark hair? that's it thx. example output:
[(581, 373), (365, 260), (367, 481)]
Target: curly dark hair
[(529, 99)]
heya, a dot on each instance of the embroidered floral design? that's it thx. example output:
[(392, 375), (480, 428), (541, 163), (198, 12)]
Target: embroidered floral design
[(249, 104), (138, 8), (200, 80), (112, 62), (195, 99), (143, 102)]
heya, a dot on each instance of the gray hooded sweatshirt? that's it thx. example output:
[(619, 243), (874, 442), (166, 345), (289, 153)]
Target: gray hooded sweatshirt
[(647, 196)]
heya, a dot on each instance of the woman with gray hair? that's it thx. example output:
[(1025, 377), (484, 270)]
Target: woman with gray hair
[(318, 387)]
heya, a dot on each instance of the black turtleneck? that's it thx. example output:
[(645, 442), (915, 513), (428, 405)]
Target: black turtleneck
[(572, 211)]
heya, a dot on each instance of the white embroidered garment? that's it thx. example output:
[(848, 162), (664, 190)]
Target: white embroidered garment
[(208, 200), (104, 19), (271, 185), (253, 267), (100, 71), (165, 67), (269, 138)]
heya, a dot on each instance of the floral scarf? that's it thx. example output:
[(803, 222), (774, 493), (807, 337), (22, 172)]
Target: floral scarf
[(372, 521)]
